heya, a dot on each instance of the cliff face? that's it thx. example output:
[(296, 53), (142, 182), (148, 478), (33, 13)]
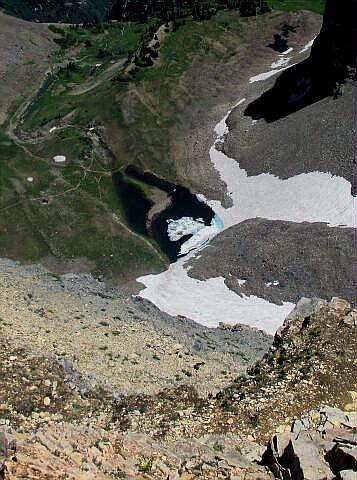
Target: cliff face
[(334, 53), (332, 61)]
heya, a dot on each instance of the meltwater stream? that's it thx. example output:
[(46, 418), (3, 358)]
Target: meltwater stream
[(308, 197)]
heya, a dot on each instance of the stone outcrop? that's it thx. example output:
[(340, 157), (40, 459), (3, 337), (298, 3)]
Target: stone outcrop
[(334, 53), (326, 452)]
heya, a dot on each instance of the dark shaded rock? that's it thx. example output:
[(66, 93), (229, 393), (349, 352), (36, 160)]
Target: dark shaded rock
[(342, 457), (335, 49)]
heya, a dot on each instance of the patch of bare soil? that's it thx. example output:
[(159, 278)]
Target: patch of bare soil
[(25, 52)]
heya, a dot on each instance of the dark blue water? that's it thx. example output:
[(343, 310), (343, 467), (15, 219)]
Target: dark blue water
[(136, 207)]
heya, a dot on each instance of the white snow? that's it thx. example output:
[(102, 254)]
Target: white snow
[(30, 179), (266, 75), (177, 229), (308, 46), (281, 62), (241, 282), (308, 197), (275, 283), (287, 51), (59, 158), (200, 197), (53, 129), (210, 302)]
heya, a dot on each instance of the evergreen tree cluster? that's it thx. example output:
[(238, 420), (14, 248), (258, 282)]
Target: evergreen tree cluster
[(140, 10), (75, 11), (94, 11)]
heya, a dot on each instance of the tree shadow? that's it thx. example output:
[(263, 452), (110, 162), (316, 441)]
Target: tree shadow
[(280, 43), (297, 87)]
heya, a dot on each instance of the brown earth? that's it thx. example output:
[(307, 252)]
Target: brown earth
[(25, 52)]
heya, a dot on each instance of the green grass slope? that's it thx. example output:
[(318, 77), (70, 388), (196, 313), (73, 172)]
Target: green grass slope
[(71, 211)]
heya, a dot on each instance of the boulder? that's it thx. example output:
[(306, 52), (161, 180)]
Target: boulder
[(303, 460), (304, 308), (340, 305), (347, 475), (331, 418), (7, 449), (293, 456), (342, 457)]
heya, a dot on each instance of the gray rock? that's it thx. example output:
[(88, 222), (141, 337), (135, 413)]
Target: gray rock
[(304, 308), (274, 451), (292, 456), (347, 475), (7, 449), (303, 459), (334, 418), (74, 379), (297, 426)]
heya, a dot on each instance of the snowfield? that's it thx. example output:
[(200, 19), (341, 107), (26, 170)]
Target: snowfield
[(308, 197), (210, 302)]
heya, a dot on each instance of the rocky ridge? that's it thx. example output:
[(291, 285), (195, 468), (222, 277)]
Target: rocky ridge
[(273, 423), (311, 363)]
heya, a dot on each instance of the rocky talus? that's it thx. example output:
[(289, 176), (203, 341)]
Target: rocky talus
[(294, 416), (322, 445), (312, 362), (116, 338)]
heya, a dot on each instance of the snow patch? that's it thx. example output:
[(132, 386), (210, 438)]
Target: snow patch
[(221, 129), (53, 129), (202, 236), (281, 62), (264, 76), (241, 282), (200, 197), (210, 302), (308, 197), (287, 51), (275, 283), (30, 179), (59, 158)]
